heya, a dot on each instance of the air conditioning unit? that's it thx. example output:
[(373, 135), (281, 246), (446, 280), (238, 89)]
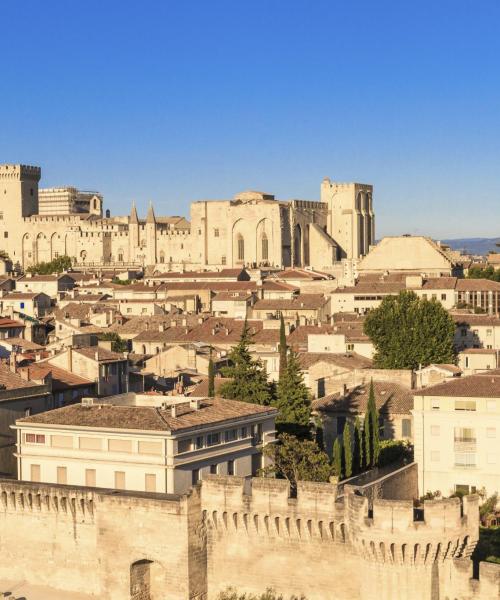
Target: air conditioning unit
[(87, 401)]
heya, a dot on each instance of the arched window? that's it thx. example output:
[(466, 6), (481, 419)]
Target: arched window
[(265, 247), (120, 254), (241, 248)]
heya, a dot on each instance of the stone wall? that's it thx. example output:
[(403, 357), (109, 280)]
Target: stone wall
[(245, 534)]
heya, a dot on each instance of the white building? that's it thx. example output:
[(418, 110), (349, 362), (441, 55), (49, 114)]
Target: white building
[(151, 443), (456, 435)]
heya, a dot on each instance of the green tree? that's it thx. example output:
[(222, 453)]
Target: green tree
[(282, 347), (337, 458), (367, 440), (297, 460), (118, 344), (408, 331), (211, 377), (357, 453), (57, 265), (374, 427), (248, 378), (347, 445), (293, 399)]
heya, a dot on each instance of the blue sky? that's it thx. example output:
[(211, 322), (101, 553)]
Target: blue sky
[(178, 101)]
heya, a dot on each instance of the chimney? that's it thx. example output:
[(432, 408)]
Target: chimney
[(173, 410), (161, 327), (13, 362)]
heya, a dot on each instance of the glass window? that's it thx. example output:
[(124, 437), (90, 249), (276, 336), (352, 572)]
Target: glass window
[(241, 248), (465, 405), (213, 439), (465, 459), (231, 435), (244, 432), (465, 434), (184, 445), (406, 427), (230, 467), (34, 438), (200, 442), (213, 469), (195, 476)]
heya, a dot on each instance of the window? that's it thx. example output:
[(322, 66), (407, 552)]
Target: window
[(465, 434), (213, 469), (435, 404), (213, 439), (21, 304), (1, 213), (265, 247), (150, 447), (62, 475), (116, 445), (200, 442), (231, 435), (120, 480), (465, 405), (435, 456), (90, 443), (461, 488), (90, 478), (465, 460), (491, 432), (406, 427), (443, 296), (27, 411), (150, 482), (241, 248), (349, 347), (195, 476), (257, 433), (216, 232), (62, 441), (5, 234), (35, 472), (435, 430), (230, 467), (184, 445), (223, 260), (32, 438), (244, 432)]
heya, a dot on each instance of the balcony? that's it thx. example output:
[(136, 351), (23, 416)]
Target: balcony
[(464, 444)]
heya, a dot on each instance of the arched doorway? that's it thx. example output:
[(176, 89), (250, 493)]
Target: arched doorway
[(147, 580)]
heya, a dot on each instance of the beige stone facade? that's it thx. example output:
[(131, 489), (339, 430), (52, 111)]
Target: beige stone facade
[(252, 229)]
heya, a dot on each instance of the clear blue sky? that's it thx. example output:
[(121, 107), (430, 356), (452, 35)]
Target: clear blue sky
[(178, 101)]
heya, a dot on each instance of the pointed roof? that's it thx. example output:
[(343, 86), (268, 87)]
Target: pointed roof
[(133, 214), (150, 218)]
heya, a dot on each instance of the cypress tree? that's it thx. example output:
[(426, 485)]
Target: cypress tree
[(211, 377), (347, 444), (337, 458), (374, 426), (357, 458), (368, 440), (283, 348), (293, 399), (248, 376)]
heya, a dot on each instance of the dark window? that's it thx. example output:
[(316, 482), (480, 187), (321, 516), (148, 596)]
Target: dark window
[(213, 469), (195, 476), (230, 467)]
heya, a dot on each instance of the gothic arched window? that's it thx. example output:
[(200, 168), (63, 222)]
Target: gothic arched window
[(265, 247), (241, 248)]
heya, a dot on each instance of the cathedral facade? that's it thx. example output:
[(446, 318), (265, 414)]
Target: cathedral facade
[(253, 230)]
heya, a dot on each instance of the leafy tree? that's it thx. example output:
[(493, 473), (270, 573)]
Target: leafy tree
[(118, 344), (357, 453), (57, 265), (484, 273), (231, 594), (488, 547), (283, 348), (395, 451), (293, 399), (211, 377), (408, 331), (374, 427), (347, 445), (248, 376), (337, 458), (297, 460)]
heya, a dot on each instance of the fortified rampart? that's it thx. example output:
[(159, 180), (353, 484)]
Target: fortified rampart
[(245, 534)]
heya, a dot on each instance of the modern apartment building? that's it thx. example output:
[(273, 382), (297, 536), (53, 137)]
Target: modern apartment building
[(456, 434), (143, 442)]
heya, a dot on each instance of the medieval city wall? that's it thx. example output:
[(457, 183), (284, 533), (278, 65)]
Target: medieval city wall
[(245, 534)]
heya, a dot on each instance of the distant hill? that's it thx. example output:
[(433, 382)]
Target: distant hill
[(474, 245)]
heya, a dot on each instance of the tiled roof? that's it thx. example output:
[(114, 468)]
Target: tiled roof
[(231, 296), (390, 398), (7, 323), (231, 273), (99, 353), (472, 386), (372, 287), (212, 411), (201, 389), (11, 380), (477, 285), (349, 361), (470, 319), (22, 343), (61, 379), (303, 301)]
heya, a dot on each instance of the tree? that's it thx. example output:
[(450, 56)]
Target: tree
[(347, 445), (232, 594), (57, 265), (357, 453), (293, 399), (211, 377), (374, 427), (367, 440), (337, 458), (408, 332), (248, 376), (283, 348), (297, 460), (118, 344)]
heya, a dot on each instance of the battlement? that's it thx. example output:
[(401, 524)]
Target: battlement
[(20, 172), (396, 532)]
